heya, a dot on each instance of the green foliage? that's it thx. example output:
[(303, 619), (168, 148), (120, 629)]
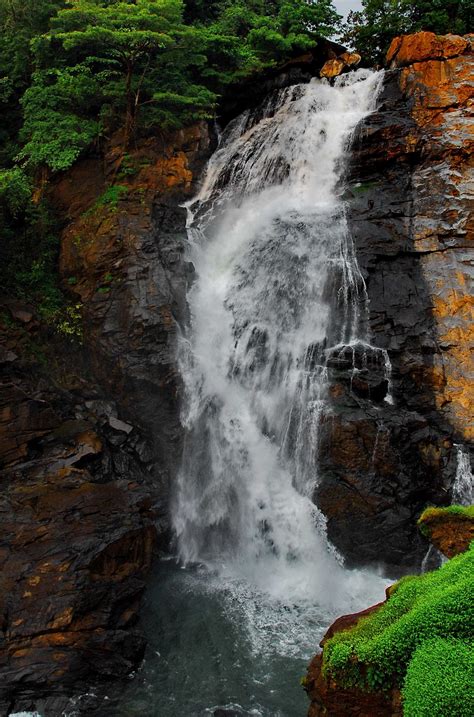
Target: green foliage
[(57, 126), (375, 653), (20, 21), (462, 511), (68, 321), (272, 31), (93, 67), (371, 30), (112, 65), (440, 680), (28, 247), (15, 193), (111, 197)]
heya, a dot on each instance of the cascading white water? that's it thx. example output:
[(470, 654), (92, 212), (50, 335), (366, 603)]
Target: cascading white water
[(278, 291), (463, 487)]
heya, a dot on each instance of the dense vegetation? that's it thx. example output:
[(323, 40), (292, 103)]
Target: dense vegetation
[(440, 679), (372, 29), (74, 73), (417, 640), (71, 73)]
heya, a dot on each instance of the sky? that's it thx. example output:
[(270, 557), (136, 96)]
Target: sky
[(343, 6)]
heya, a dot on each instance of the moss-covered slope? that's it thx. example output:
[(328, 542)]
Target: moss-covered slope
[(376, 652)]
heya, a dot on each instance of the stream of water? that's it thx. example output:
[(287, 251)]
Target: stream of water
[(233, 622)]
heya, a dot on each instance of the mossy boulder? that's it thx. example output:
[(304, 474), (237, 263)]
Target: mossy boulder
[(376, 652), (382, 651), (450, 530)]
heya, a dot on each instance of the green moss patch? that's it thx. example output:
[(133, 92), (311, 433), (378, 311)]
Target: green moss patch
[(457, 511), (375, 654), (440, 680)]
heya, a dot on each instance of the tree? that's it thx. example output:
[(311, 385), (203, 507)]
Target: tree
[(133, 65), (270, 32), (20, 21), (109, 64), (371, 30)]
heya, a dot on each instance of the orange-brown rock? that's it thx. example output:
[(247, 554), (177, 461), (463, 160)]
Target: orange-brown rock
[(345, 622), (450, 530), (336, 65), (350, 58), (329, 700), (333, 68), (423, 46), (122, 256), (442, 92)]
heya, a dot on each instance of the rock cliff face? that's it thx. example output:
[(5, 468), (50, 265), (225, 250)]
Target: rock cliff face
[(409, 214), (90, 438), (90, 435)]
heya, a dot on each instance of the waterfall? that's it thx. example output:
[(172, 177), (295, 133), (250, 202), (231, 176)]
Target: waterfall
[(278, 293), (463, 487)]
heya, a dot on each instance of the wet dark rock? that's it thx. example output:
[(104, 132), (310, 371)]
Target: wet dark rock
[(89, 439), (76, 545), (388, 450)]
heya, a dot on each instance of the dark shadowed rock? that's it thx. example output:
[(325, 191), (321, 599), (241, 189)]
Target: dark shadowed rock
[(387, 450), (90, 436)]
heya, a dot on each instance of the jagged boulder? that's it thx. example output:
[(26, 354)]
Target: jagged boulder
[(332, 68), (335, 66), (423, 46)]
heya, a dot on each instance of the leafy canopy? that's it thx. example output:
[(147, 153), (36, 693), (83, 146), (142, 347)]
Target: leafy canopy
[(372, 29), (108, 65)]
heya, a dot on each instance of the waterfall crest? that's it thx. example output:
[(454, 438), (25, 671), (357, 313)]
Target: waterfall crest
[(278, 292)]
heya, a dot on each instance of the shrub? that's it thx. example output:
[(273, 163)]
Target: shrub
[(15, 192)]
